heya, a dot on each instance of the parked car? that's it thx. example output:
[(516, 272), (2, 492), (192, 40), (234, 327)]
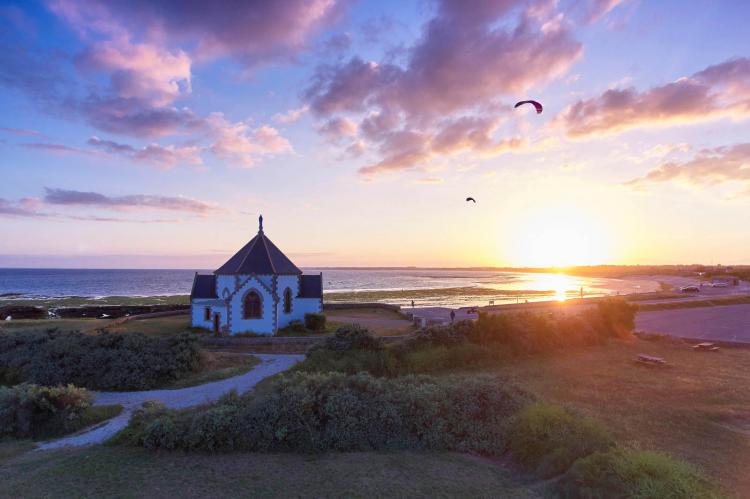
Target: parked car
[(690, 289)]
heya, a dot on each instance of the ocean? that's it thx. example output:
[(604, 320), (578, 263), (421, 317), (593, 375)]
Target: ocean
[(427, 287)]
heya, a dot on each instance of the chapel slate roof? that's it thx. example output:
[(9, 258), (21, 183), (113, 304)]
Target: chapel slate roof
[(204, 286), (311, 286), (259, 256)]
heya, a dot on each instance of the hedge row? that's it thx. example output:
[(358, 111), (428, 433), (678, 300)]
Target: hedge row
[(102, 361), (324, 412)]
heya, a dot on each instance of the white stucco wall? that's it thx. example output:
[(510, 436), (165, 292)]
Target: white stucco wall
[(291, 282), (306, 306), (198, 310)]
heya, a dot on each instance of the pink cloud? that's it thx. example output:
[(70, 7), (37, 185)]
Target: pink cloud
[(709, 167), (140, 71), (440, 101), (338, 127), (133, 201), (251, 32), (600, 8), (56, 148), (164, 156), (291, 116), (722, 90), (23, 132), (238, 144)]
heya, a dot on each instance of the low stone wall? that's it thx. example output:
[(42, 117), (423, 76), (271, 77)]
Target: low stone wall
[(355, 305), (265, 341), (115, 311)]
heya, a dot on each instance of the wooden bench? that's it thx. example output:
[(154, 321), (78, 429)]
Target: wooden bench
[(705, 347), (650, 360)]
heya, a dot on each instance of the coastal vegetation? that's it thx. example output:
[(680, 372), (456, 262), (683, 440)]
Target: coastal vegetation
[(478, 343), (102, 361), (356, 394), (33, 411), (325, 412)]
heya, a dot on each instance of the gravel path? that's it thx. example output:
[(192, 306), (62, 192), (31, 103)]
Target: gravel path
[(177, 399)]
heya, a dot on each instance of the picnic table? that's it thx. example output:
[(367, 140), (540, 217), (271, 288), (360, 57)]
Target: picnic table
[(705, 347), (650, 360)]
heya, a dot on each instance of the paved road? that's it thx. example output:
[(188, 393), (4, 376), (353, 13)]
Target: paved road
[(721, 323), (178, 399)]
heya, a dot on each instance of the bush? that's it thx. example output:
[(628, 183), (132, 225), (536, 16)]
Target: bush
[(297, 327), (315, 322), (618, 316), (450, 335), (103, 361), (326, 412), (31, 411), (442, 358), (469, 343), (631, 473), (550, 439), (351, 337)]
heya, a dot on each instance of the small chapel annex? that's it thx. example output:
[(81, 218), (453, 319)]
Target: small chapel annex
[(258, 290)]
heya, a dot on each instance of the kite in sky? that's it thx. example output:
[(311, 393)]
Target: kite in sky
[(537, 105)]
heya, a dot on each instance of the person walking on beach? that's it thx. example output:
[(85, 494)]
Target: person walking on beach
[(412, 304), (453, 316)]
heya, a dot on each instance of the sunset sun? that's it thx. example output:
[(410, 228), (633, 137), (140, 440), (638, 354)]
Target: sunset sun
[(559, 237)]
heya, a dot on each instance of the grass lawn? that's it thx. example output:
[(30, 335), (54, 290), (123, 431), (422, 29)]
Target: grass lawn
[(155, 326), (697, 408), (381, 321), (129, 472), (65, 325), (216, 366), (12, 447)]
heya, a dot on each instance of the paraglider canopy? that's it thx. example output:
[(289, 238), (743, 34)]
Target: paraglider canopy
[(536, 105), (471, 199)]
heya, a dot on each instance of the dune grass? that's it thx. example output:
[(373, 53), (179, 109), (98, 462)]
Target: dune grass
[(696, 409)]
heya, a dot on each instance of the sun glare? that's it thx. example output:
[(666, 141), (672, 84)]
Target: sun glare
[(559, 238)]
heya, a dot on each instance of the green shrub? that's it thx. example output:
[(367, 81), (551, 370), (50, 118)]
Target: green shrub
[(326, 412), (469, 343), (617, 315), (450, 335), (28, 410), (550, 439), (375, 362), (102, 361), (315, 322), (621, 473), (351, 337), (297, 327), (442, 358)]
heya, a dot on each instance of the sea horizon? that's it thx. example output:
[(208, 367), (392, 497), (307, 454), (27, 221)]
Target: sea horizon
[(424, 286)]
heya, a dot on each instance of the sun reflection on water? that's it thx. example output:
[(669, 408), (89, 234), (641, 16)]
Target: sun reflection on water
[(560, 284)]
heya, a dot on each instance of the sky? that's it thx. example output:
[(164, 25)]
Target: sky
[(151, 134)]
